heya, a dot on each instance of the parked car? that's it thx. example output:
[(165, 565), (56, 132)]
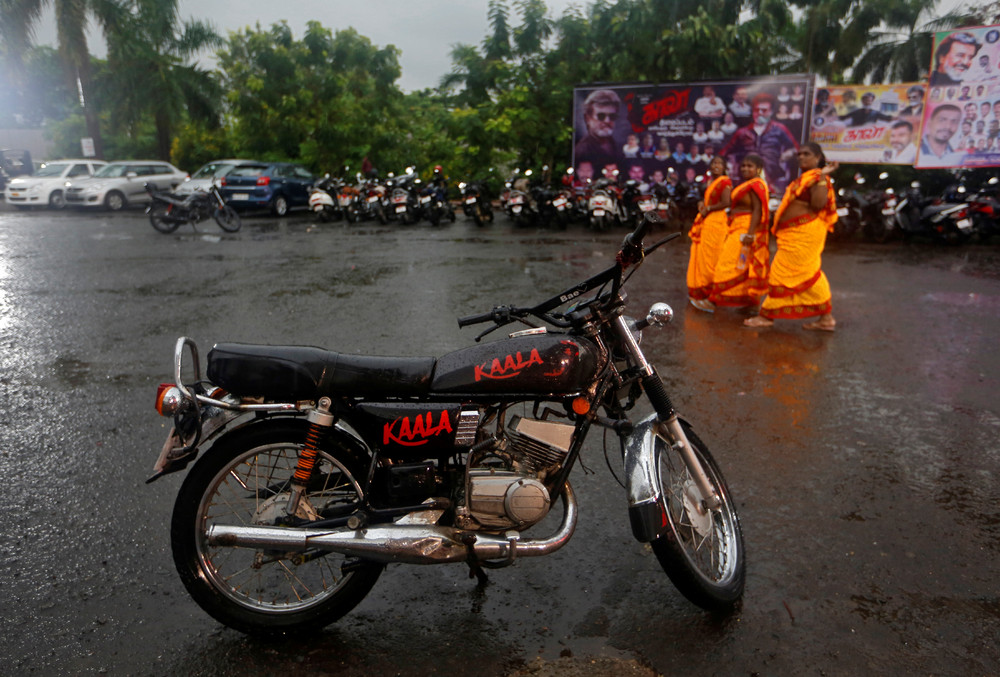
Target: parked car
[(209, 172), (14, 163), (278, 186), (47, 186), (119, 184)]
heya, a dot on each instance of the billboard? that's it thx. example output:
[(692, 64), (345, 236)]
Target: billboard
[(647, 130), (869, 123), (961, 125)]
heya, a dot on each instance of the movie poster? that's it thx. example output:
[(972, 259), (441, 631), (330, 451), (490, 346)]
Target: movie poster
[(961, 124), (671, 132), (869, 123)]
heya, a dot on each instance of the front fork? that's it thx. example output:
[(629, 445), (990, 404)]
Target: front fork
[(668, 426)]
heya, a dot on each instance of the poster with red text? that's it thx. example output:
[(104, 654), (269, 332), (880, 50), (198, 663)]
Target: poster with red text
[(869, 123), (667, 133)]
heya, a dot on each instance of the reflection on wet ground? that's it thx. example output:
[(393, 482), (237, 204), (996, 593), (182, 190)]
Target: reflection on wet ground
[(864, 462)]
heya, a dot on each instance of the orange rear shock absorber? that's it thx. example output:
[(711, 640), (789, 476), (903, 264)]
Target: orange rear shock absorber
[(319, 418)]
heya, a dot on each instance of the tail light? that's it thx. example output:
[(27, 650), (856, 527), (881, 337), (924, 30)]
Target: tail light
[(222, 181), (168, 399), (961, 214), (263, 180)]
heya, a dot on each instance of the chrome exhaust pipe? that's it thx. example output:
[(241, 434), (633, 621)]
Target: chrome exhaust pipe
[(408, 544)]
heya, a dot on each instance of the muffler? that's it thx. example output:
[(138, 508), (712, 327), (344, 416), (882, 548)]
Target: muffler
[(408, 544)]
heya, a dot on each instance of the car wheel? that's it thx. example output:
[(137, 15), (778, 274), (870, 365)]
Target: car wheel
[(114, 201), (279, 205), (57, 200)]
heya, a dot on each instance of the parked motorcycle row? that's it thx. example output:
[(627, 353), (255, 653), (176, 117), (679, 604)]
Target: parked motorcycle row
[(608, 202), (960, 214), (405, 199)]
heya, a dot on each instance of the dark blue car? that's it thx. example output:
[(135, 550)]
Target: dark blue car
[(277, 186)]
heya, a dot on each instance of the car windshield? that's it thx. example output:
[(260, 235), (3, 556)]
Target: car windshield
[(111, 171), (52, 169), (213, 170)]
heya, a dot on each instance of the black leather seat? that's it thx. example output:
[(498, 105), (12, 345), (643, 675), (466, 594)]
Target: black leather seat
[(307, 372)]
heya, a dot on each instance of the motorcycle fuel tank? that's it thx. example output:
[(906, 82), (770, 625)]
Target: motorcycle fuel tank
[(541, 364)]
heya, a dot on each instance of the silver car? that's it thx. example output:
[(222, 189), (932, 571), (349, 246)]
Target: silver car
[(209, 172), (47, 186), (120, 184)]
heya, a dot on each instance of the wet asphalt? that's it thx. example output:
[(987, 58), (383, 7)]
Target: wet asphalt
[(864, 463)]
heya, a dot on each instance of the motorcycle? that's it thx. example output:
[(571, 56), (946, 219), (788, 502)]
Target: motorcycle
[(168, 211), (316, 469), (918, 215), (850, 205), (475, 204), (638, 200), (404, 204)]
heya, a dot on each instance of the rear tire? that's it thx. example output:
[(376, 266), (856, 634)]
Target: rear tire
[(702, 551), (158, 217), (279, 205), (242, 480), (228, 219)]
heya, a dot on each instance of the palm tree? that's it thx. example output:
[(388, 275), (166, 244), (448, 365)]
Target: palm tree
[(148, 52), (900, 51), (18, 19)]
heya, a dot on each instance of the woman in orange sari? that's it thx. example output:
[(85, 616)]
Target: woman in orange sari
[(797, 287), (741, 272), (707, 235)]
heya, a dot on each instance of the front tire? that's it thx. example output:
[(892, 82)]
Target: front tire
[(702, 551), (228, 219), (57, 200), (115, 201), (244, 479)]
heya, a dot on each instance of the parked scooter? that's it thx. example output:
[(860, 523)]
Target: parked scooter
[(321, 199)]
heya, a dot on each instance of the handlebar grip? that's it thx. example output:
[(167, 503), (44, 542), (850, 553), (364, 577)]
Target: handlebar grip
[(649, 219), (475, 319)]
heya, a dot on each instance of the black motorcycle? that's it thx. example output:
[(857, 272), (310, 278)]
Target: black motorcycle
[(318, 468), (475, 203), (168, 211)]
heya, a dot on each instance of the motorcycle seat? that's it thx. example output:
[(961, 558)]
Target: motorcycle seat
[(308, 372)]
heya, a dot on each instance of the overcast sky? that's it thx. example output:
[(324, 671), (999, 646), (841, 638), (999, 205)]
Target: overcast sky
[(424, 30)]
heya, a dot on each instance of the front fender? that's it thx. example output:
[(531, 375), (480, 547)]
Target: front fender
[(647, 509)]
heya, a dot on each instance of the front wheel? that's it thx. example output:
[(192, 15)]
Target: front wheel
[(245, 479), (228, 219), (702, 550), (158, 218)]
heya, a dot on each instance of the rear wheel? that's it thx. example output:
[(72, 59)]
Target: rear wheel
[(279, 205), (702, 550), (158, 217), (228, 219), (245, 480)]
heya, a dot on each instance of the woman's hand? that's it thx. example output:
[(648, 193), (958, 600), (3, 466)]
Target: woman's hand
[(830, 168)]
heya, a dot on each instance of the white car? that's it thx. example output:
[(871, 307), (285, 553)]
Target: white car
[(47, 186), (120, 184), (212, 171)]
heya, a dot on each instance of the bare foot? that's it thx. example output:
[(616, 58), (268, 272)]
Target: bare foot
[(821, 325), (758, 322)]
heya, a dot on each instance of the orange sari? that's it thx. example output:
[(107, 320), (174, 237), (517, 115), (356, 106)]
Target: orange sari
[(797, 287), (707, 235), (733, 286)]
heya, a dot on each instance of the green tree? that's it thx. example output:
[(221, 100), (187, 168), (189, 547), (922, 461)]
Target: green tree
[(327, 100), (149, 50)]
